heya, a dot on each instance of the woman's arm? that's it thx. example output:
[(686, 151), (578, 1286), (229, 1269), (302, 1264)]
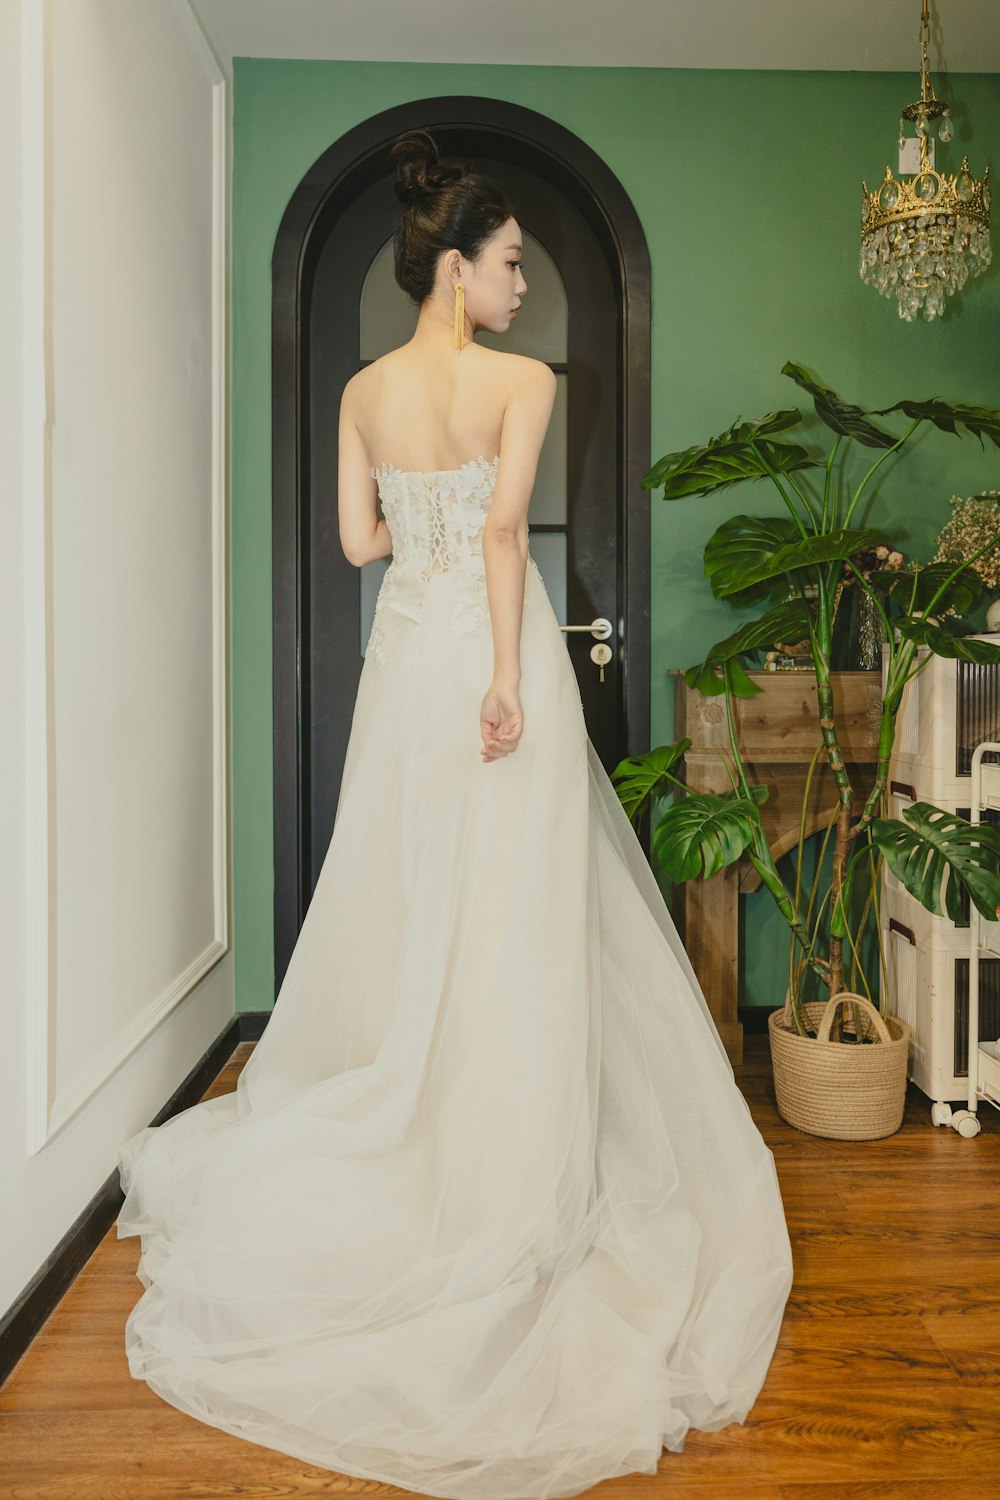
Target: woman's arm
[(363, 535), (505, 534)]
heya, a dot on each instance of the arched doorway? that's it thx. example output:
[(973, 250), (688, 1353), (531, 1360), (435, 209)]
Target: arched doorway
[(335, 306)]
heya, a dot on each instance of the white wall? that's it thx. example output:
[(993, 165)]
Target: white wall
[(114, 841)]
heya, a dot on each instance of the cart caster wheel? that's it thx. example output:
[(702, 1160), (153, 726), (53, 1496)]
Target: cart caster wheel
[(940, 1113), (966, 1123)]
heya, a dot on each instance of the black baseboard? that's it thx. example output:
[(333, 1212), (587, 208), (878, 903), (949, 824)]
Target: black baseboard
[(27, 1314)]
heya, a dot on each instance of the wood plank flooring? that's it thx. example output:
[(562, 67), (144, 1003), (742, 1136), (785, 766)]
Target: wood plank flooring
[(885, 1384)]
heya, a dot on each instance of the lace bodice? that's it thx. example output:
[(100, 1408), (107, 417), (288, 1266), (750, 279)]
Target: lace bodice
[(436, 519), (436, 516)]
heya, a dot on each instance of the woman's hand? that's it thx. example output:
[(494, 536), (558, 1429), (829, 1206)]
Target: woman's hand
[(501, 720)]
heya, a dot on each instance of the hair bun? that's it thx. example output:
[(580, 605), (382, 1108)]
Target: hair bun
[(439, 176), (420, 171)]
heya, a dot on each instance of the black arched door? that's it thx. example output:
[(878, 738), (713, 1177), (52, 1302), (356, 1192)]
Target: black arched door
[(335, 307)]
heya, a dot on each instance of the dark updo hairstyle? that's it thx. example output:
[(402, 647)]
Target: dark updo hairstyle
[(448, 207)]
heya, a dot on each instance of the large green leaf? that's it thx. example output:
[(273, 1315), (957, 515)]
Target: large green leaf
[(641, 779), (706, 680), (786, 622), (944, 414), (941, 848), (762, 427), (705, 831), (803, 552), (962, 594), (943, 643), (743, 542), (729, 458), (840, 415)]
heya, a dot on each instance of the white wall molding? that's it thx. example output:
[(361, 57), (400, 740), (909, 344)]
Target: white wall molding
[(50, 1104)]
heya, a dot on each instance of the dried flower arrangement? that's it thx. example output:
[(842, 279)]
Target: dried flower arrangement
[(973, 521), (867, 558)]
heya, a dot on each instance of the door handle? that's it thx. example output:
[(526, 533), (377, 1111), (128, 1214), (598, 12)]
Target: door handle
[(600, 628)]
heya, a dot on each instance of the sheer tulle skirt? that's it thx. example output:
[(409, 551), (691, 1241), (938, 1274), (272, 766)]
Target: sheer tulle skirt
[(487, 1215)]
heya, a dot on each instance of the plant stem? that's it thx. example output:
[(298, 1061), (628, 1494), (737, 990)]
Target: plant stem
[(875, 465), (733, 780), (731, 726), (876, 873), (856, 960), (802, 820), (808, 942), (826, 486), (862, 923), (815, 885), (795, 515), (845, 792), (760, 855), (898, 676)]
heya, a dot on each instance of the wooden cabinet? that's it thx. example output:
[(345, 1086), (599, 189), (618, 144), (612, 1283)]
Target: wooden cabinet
[(777, 732)]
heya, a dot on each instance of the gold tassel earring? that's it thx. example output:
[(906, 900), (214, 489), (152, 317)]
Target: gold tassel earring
[(459, 315)]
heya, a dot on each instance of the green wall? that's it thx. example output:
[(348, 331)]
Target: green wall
[(748, 187)]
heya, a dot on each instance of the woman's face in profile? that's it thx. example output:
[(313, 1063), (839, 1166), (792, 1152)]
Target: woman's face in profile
[(494, 289)]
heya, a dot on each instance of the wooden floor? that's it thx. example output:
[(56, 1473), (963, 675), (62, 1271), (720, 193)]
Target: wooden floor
[(885, 1382)]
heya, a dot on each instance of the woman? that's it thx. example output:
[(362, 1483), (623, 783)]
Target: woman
[(487, 1215)]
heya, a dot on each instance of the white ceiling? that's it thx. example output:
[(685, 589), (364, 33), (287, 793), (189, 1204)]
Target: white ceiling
[(827, 35)]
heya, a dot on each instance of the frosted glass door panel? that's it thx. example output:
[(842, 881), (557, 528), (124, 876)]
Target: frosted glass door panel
[(388, 317)]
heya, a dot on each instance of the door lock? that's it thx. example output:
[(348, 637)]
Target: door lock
[(602, 654)]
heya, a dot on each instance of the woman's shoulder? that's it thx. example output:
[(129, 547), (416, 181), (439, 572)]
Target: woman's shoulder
[(520, 364), (519, 370), (528, 378)]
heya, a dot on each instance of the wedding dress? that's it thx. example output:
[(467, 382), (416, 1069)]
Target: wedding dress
[(487, 1215)]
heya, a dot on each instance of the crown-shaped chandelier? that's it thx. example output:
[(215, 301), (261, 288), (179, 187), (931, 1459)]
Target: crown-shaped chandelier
[(922, 237)]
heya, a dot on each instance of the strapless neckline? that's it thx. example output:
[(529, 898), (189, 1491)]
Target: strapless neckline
[(472, 463)]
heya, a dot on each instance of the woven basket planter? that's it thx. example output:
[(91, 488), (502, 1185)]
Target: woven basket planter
[(844, 1091)]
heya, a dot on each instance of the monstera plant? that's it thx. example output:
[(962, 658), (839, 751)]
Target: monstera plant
[(790, 565)]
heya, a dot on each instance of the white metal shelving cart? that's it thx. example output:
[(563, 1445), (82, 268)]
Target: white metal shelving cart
[(984, 1056)]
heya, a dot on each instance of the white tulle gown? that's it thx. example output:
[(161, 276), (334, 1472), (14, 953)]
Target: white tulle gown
[(487, 1215)]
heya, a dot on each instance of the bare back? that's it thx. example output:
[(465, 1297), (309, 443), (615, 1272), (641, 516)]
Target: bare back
[(422, 412)]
